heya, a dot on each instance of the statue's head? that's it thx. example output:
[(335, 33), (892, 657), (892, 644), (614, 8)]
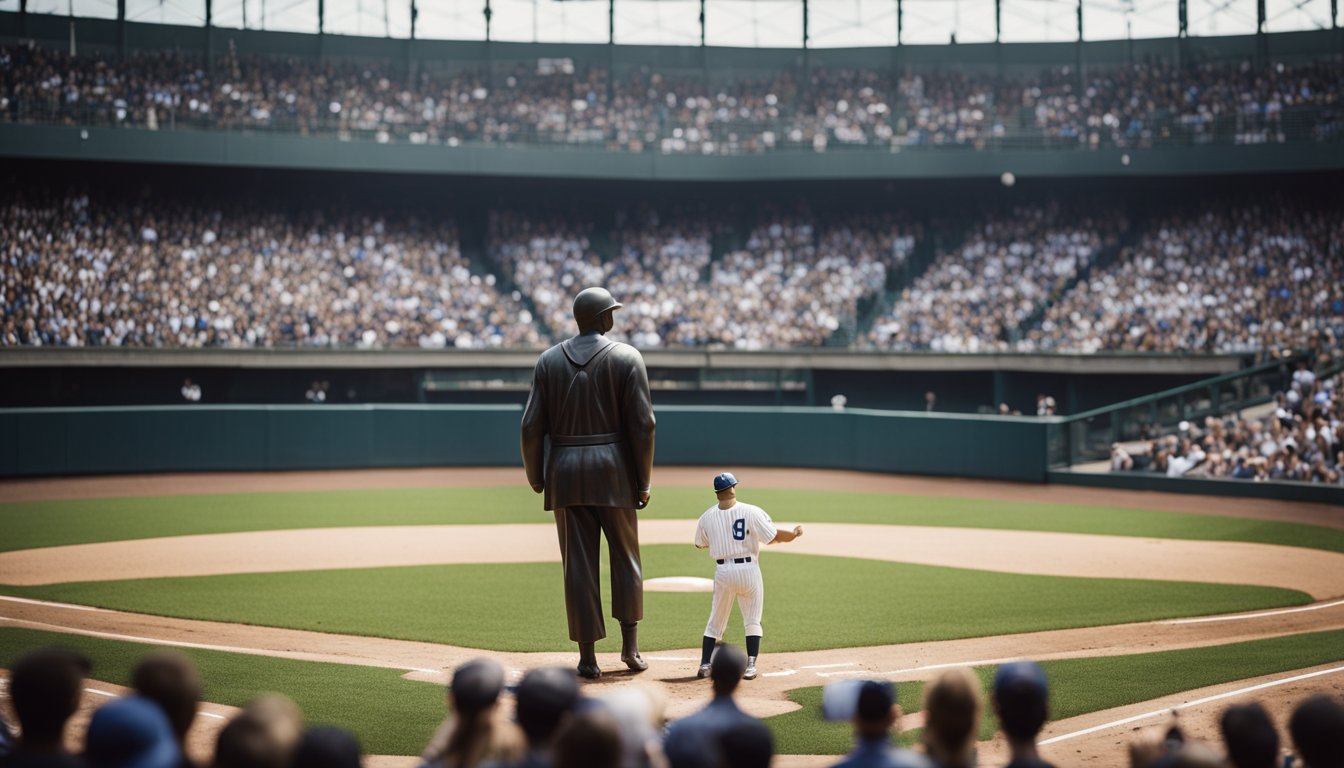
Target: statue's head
[(593, 308)]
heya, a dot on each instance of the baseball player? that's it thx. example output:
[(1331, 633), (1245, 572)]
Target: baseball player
[(734, 532)]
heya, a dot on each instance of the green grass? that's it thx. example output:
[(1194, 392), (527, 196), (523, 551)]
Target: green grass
[(812, 602), (388, 714), (1080, 686), (52, 523)]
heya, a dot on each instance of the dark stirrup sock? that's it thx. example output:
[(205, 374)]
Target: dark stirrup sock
[(707, 649), (753, 646)]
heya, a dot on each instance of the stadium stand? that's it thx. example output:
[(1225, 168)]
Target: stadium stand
[(1222, 276), (545, 102)]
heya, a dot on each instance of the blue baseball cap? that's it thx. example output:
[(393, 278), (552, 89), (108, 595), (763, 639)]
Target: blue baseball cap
[(723, 481), (1024, 680), (131, 732)]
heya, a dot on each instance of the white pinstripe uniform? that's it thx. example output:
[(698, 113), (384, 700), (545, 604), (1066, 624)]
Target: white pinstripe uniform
[(735, 533)]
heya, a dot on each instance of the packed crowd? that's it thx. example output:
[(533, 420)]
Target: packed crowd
[(77, 270), (162, 273), (787, 286), (973, 298), (1300, 437), (555, 101), (1235, 279), (555, 724)]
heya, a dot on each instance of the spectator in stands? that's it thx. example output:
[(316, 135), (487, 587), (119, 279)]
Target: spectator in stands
[(875, 717), (747, 745), (131, 732), (6, 738), (690, 740), (474, 733), (170, 680), (1250, 736), (952, 718), (1022, 704), (327, 747), (251, 740), (1316, 725), (281, 717), (589, 739), (45, 687), (638, 711), (546, 698)]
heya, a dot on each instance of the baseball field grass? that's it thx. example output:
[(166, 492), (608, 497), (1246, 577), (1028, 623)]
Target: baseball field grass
[(395, 716), (460, 605), (53, 523)]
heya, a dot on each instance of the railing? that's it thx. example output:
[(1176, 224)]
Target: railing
[(1088, 436), (661, 135)]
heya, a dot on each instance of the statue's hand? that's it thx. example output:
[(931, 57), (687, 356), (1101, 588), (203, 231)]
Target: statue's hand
[(538, 487), (643, 500)]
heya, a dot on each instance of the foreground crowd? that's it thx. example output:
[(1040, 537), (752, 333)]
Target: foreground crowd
[(77, 270), (554, 724), (552, 101)]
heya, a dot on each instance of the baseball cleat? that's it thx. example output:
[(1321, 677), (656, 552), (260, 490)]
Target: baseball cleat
[(590, 671), (750, 674), (704, 671), (635, 662)]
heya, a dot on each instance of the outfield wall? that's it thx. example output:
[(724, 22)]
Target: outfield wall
[(80, 441)]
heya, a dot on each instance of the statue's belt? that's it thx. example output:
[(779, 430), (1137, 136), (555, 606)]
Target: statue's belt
[(606, 438)]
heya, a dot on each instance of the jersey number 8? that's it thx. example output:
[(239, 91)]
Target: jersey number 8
[(740, 529)]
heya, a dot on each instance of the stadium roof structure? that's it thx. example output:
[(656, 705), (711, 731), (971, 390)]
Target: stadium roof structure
[(731, 23)]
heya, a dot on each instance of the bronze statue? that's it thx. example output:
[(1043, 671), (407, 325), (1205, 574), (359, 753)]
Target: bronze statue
[(590, 396)]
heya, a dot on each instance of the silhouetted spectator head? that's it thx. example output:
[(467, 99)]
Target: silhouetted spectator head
[(1252, 741), (545, 698), (1021, 699), (589, 739), (45, 686), (748, 744), (281, 716), (726, 669), (249, 742), (951, 717), (131, 732), (876, 712), (476, 685), (169, 679), (327, 748), (1316, 726)]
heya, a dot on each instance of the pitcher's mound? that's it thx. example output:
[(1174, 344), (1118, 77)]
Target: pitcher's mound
[(679, 584)]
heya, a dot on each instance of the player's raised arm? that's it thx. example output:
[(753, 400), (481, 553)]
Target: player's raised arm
[(783, 536)]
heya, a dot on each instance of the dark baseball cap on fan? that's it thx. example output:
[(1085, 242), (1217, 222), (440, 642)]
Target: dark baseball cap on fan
[(723, 481)]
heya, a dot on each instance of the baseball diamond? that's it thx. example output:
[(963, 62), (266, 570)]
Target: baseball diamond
[(59, 574)]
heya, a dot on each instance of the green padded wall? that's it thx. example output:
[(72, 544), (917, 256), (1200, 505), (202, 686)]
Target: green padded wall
[(78, 441)]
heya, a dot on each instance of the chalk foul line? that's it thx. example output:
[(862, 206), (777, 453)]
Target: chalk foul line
[(1262, 615), (1188, 704)]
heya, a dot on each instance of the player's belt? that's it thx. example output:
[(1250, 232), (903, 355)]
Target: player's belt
[(605, 438), (738, 560)]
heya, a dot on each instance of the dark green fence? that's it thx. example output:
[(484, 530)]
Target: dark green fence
[(77, 441)]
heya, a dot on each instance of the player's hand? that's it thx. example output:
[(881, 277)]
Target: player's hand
[(538, 487), (797, 530), (643, 500)]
